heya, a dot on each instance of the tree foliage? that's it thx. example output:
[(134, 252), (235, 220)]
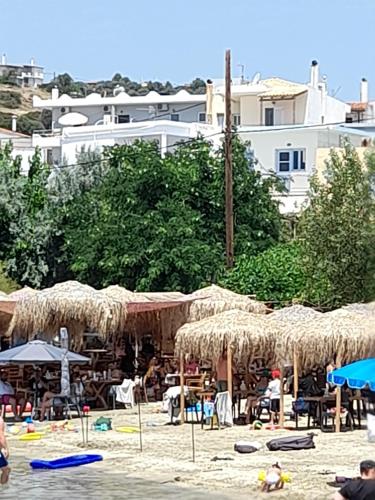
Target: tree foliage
[(276, 274), (337, 232), (157, 223)]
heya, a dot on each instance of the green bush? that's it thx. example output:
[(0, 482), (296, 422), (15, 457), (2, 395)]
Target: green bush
[(10, 99)]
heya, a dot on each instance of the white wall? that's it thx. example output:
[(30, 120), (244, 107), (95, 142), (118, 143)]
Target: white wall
[(136, 112)]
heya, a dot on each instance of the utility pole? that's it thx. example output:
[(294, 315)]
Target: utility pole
[(228, 164)]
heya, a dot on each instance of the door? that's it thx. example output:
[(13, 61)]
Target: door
[(269, 117)]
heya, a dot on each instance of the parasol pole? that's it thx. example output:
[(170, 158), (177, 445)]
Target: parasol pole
[(193, 438), (182, 388), (282, 395), (295, 372), (229, 370), (140, 424), (338, 398)]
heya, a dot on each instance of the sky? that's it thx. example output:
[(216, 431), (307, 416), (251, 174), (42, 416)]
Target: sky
[(178, 40)]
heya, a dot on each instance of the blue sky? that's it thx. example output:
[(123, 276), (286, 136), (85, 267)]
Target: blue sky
[(178, 40)]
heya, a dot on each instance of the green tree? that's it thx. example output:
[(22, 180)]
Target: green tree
[(337, 232), (273, 275), (157, 223)]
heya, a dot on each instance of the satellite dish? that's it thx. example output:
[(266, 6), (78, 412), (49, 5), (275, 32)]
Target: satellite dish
[(73, 119), (255, 79)]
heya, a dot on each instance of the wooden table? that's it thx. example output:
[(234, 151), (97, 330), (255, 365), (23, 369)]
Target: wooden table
[(100, 387), (320, 400)]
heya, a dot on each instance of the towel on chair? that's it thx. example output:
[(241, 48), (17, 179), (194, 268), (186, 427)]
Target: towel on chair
[(125, 393)]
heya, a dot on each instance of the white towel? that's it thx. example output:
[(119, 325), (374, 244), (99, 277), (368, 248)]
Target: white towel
[(171, 394), (125, 393), (223, 404)]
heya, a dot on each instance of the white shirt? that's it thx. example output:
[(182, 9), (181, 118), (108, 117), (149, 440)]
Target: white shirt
[(273, 389), (6, 389)]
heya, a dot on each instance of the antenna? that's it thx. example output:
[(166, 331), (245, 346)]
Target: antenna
[(242, 66), (256, 78), (336, 91)]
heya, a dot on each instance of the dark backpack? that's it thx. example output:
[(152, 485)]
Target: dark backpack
[(244, 448), (291, 443)]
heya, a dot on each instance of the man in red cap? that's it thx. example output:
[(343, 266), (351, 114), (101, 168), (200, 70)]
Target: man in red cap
[(273, 392)]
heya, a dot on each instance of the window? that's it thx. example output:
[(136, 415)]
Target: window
[(269, 117), (236, 117), (123, 119), (290, 160), (175, 117), (220, 120), (202, 117)]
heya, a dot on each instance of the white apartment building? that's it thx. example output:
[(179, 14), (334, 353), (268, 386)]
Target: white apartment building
[(24, 75), (286, 123), (96, 121), (274, 102)]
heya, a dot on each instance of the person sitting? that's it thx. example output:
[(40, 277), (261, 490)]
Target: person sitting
[(273, 392), (362, 488), (8, 396), (37, 386), (152, 379), (50, 399), (273, 479), (191, 367)]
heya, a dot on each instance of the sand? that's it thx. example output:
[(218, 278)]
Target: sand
[(167, 455)]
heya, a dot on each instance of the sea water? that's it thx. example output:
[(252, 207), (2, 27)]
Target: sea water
[(88, 482)]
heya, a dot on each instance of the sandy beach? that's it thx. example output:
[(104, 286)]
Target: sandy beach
[(167, 455)]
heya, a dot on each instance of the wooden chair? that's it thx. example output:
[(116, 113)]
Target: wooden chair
[(194, 384)]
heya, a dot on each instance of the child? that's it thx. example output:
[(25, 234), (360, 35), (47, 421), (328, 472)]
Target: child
[(4, 454), (273, 478)]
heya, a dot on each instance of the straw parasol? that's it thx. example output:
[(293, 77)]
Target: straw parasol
[(296, 312), (314, 342), (68, 304), (121, 294), (26, 291), (246, 333), (214, 300), (368, 309)]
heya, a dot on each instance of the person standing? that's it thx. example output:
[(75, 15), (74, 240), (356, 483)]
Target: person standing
[(4, 454), (222, 373), (273, 392)]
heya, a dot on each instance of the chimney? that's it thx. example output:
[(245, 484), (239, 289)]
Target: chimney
[(364, 91), (14, 123), (4, 59), (314, 74), (55, 93), (209, 99)]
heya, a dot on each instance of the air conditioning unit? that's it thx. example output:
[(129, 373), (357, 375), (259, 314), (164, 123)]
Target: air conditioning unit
[(163, 107)]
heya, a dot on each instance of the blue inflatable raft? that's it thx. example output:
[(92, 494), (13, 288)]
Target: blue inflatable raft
[(61, 463)]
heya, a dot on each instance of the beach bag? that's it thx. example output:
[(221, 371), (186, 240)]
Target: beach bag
[(246, 447), (104, 421), (291, 443)]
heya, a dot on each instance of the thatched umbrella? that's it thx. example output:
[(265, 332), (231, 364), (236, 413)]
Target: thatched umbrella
[(239, 333), (296, 312), (24, 292), (368, 309), (247, 334), (214, 300), (68, 304), (120, 293)]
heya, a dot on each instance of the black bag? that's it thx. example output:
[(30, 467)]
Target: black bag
[(244, 448), (291, 443)]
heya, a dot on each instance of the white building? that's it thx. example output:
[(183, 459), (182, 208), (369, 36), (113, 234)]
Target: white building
[(64, 145), (95, 121), (274, 101), (292, 154), (122, 108), (24, 75), (21, 145)]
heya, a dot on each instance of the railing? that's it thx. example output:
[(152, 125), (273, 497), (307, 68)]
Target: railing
[(48, 133)]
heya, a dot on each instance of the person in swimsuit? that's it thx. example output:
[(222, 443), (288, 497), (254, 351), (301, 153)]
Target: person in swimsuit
[(273, 479), (4, 454)]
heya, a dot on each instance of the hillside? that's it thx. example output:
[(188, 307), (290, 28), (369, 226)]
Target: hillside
[(18, 101)]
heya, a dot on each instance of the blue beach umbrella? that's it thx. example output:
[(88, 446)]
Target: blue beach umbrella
[(357, 375)]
